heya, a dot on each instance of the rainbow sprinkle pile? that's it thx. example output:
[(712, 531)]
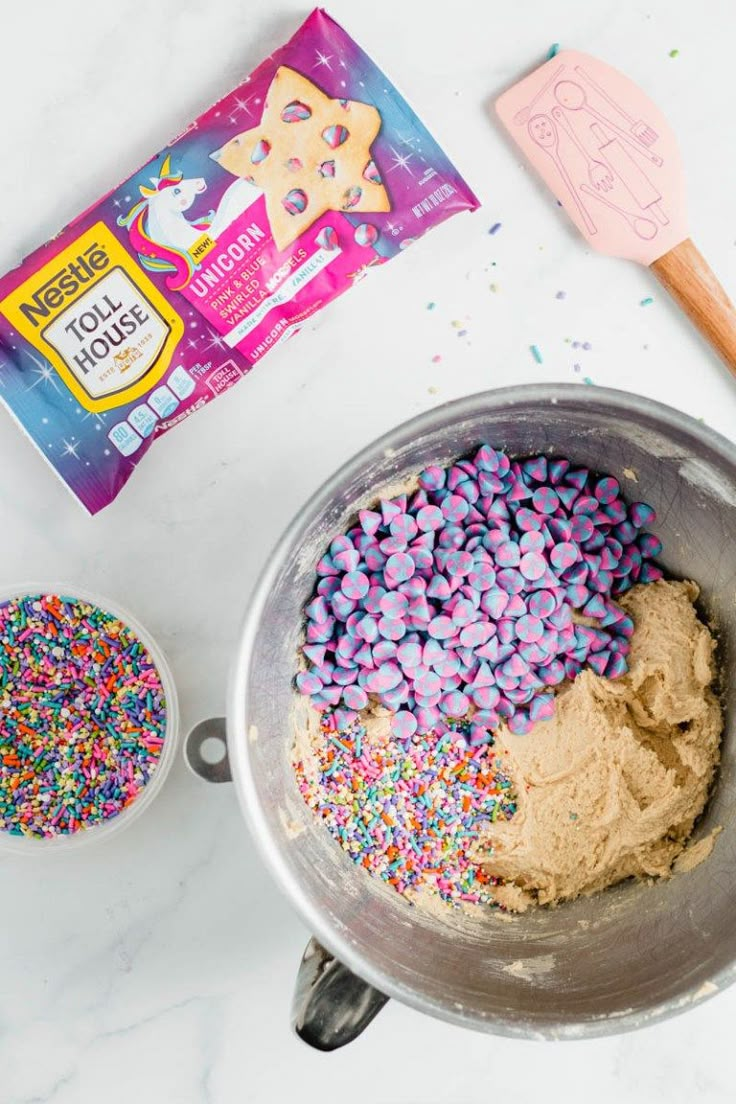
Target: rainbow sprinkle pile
[(409, 809), (82, 716)]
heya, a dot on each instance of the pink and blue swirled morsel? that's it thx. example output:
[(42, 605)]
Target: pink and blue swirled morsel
[(210, 333), (471, 598)]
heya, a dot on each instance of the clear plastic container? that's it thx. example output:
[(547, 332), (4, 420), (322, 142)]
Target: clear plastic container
[(105, 829)]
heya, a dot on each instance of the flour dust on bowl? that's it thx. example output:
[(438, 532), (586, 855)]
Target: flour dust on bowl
[(88, 718), (601, 964)]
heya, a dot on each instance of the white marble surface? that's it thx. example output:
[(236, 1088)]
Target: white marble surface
[(159, 968)]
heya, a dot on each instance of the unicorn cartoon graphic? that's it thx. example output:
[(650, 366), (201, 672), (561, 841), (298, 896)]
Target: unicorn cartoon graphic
[(164, 237)]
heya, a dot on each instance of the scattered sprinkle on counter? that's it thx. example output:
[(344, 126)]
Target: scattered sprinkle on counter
[(82, 716), (534, 350), (495, 228), (553, 51), (646, 302)]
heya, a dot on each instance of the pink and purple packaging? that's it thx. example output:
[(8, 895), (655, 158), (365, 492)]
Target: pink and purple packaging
[(166, 292)]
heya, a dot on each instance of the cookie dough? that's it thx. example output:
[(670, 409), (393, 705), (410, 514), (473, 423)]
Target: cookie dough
[(611, 786)]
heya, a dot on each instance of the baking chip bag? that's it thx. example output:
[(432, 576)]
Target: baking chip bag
[(166, 292)]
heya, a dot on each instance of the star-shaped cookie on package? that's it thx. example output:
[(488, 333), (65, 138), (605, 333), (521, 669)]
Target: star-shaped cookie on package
[(309, 154)]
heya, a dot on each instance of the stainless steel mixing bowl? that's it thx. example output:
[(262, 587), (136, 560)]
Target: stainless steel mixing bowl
[(627, 957)]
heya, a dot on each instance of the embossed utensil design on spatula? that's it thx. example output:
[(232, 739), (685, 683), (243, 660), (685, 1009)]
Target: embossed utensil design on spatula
[(544, 133), (631, 174), (599, 174), (638, 127)]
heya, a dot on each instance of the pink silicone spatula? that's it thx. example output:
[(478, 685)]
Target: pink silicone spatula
[(575, 113)]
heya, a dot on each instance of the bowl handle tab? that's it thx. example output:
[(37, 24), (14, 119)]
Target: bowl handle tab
[(331, 1005), (205, 751)]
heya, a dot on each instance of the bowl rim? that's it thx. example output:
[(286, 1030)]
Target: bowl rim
[(96, 833), (239, 750)]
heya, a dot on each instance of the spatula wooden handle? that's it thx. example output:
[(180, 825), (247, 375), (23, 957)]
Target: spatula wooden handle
[(693, 285)]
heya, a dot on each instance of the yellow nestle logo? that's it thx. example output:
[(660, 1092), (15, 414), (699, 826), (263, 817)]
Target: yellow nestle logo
[(98, 318), (64, 283)]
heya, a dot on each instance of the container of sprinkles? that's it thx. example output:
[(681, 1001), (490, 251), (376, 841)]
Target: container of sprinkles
[(88, 718)]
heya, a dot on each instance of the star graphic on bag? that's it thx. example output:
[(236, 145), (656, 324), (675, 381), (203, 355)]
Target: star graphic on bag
[(309, 154)]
